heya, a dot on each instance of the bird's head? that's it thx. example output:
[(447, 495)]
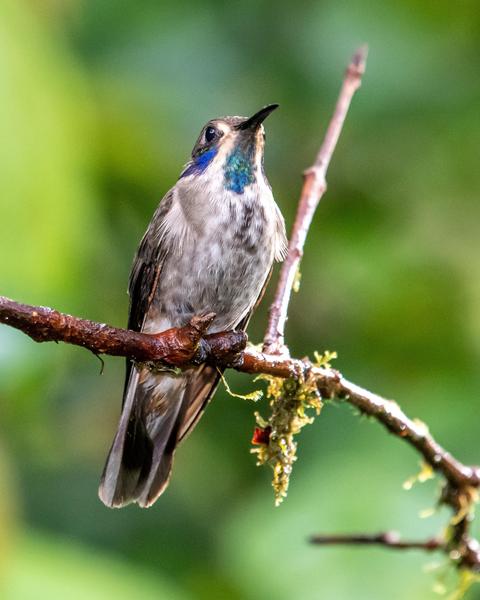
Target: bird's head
[(232, 148)]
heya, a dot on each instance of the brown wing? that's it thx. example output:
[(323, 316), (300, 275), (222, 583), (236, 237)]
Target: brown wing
[(132, 447), (204, 381), (145, 272), (147, 266)]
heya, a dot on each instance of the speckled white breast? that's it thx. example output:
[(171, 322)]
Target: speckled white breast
[(221, 246)]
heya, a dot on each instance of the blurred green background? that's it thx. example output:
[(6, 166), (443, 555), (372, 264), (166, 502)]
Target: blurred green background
[(100, 104)]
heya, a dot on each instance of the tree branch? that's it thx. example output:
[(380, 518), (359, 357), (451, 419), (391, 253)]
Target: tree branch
[(468, 558), (173, 348), (388, 539), (314, 187), (184, 346)]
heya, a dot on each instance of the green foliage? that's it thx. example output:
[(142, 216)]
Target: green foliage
[(58, 569), (47, 199)]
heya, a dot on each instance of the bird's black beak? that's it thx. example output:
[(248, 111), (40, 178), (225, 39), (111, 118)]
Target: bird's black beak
[(255, 120)]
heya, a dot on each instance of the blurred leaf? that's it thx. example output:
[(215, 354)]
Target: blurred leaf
[(47, 224), (46, 567)]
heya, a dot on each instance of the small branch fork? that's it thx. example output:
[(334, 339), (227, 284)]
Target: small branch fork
[(191, 345)]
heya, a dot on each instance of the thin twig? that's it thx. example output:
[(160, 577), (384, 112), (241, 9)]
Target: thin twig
[(388, 539), (314, 187)]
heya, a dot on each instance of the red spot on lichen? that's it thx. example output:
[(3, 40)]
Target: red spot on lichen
[(261, 436)]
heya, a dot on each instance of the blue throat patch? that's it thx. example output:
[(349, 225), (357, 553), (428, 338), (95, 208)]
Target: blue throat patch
[(238, 171), (200, 163)]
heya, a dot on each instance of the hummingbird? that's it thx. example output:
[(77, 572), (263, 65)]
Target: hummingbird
[(209, 247)]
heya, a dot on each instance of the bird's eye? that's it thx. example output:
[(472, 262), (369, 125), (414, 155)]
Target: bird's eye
[(210, 134)]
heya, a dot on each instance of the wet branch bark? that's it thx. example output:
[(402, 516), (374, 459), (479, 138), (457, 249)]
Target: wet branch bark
[(174, 347), (190, 345)]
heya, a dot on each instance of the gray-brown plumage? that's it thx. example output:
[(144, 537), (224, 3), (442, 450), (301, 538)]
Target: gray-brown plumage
[(209, 248)]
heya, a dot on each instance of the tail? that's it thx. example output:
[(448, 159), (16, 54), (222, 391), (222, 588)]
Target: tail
[(158, 411)]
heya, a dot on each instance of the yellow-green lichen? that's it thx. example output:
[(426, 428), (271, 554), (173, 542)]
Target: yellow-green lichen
[(253, 396), (297, 280), (425, 473), (294, 403), (453, 583)]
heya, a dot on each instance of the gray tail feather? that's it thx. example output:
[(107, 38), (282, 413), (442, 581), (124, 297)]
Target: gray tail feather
[(140, 460)]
